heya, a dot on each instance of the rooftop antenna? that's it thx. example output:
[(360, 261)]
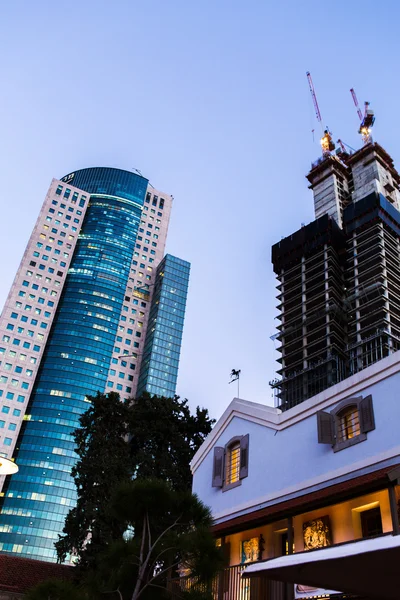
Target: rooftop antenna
[(327, 143), (367, 120)]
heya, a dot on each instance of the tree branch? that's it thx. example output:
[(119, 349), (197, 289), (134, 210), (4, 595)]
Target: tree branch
[(155, 577), (117, 591), (148, 530), (158, 555)]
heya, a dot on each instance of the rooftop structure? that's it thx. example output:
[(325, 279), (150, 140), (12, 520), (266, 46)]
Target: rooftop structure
[(338, 294)]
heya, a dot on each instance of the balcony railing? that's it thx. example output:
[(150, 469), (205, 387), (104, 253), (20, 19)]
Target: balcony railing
[(231, 584)]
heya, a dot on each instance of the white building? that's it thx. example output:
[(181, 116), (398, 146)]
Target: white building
[(316, 477)]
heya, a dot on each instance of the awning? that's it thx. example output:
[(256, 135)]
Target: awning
[(369, 568)]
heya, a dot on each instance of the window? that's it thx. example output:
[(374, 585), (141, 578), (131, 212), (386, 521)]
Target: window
[(371, 522), (347, 424), (231, 463)]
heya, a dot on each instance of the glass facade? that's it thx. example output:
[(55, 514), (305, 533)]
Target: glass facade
[(75, 363), (159, 370)]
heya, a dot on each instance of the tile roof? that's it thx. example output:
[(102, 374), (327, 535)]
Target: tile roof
[(19, 574)]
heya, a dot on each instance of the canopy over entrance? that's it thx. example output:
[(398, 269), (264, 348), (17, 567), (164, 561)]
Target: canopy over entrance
[(369, 568)]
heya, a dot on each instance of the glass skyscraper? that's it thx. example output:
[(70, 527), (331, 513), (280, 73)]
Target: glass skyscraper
[(160, 361), (95, 306)]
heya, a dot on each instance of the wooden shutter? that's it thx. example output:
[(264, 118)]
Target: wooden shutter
[(367, 419), (244, 457), (218, 467), (325, 428)]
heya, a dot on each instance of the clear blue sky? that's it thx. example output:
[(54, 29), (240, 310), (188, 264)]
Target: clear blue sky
[(210, 101)]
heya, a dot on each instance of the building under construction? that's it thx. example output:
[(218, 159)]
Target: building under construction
[(339, 276)]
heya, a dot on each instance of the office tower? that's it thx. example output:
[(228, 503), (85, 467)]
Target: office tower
[(74, 323), (339, 288), (161, 350)]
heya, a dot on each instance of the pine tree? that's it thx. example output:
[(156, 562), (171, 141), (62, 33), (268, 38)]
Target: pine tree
[(164, 436), (104, 462)]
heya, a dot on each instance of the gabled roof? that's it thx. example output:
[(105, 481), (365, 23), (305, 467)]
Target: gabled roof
[(274, 418), (251, 411), (19, 574)]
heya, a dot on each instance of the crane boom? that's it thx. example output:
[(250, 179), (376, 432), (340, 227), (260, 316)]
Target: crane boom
[(356, 104), (367, 119), (314, 97)]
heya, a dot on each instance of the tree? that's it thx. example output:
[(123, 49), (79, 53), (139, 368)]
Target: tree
[(55, 589), (169, 530), (149, 437), (104, 461), (164, 438)]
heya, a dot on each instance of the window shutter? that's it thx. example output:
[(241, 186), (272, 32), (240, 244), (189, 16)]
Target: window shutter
[(367, 419), (244, 457), (218, 467), (325, 428)]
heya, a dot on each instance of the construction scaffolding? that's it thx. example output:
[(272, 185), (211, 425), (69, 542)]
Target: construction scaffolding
[(339, 276)]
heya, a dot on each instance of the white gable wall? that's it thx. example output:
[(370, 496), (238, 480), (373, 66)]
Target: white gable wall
[(285, 458)]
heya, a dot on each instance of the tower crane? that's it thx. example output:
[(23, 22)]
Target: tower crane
[(327, 143), (367, 120)]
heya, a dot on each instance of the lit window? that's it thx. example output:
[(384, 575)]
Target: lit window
[(349, 424), (232, 464)]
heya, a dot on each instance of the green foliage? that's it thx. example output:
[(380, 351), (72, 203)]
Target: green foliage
[(104, 461), (170, 528), (152, 441), (55, 590), (164, 438)]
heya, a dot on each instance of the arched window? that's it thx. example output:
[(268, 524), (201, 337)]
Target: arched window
[(348, 423), (232, 463)]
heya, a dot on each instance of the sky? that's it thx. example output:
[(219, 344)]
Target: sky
[(210, 101)]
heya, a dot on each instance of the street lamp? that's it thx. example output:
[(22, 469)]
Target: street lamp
[(7, 466)]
